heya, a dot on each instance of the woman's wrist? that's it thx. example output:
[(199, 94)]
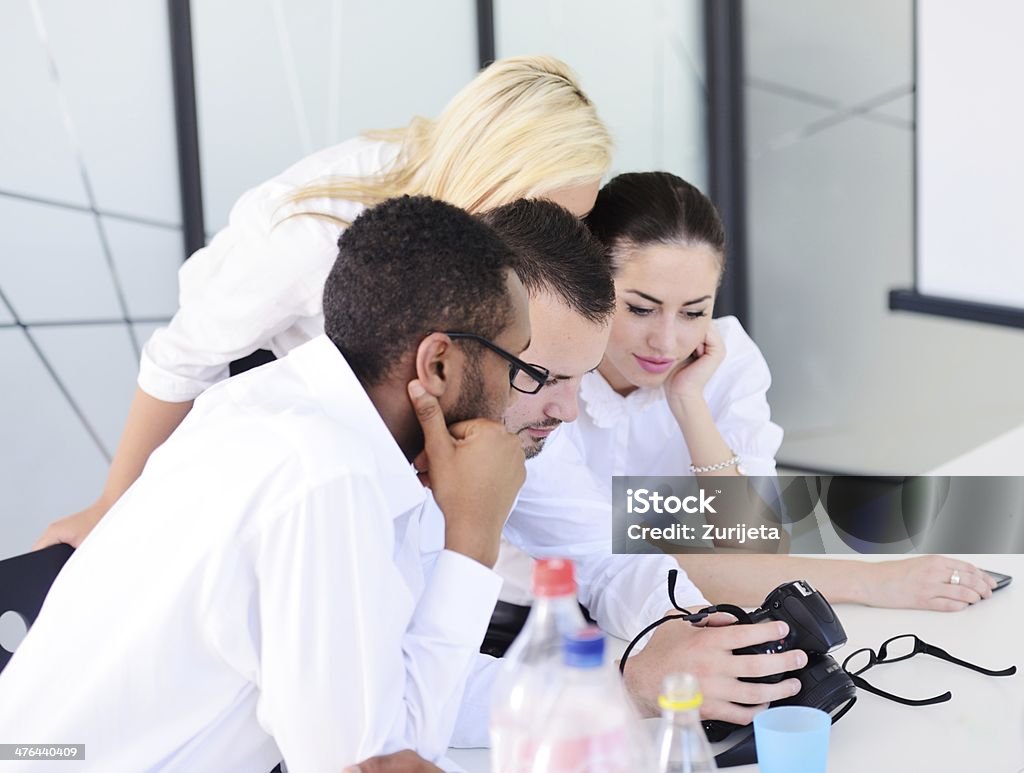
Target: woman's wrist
[(686, 407), (858, 579), (717, 467)]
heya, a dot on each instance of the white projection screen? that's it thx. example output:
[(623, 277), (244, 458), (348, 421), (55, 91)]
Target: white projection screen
[(970, 154)]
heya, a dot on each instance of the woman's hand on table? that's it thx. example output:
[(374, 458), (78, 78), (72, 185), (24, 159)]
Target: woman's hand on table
[(925, 582)]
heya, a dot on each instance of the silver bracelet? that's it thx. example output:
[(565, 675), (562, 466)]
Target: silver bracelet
[(694, 469)]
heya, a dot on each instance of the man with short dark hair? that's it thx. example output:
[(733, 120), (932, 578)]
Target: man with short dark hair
[(259, 591), (562, 510), (568, 277)]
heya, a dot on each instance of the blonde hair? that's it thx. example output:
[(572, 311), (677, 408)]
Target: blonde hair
[(519, 129)]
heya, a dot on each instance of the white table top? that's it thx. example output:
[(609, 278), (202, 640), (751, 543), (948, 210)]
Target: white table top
[(1002, 455), (981, 730)]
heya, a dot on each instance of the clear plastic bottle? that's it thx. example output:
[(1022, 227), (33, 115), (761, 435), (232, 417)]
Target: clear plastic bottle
[(591, 724), (555, 613), (682, 746), (531, 670)]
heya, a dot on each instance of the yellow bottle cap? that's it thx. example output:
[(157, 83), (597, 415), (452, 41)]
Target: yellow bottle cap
[(676, 705), (680, 692)]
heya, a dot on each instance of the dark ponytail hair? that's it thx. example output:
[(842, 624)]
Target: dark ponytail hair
[(640, 209)]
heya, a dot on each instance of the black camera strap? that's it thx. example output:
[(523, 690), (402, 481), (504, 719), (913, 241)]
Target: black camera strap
[(685, 614)]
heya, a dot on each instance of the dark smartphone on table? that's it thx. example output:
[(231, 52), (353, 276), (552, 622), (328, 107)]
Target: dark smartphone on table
[(1002, 580)]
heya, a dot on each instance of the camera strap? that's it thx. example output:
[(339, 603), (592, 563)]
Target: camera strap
[(685, 614)]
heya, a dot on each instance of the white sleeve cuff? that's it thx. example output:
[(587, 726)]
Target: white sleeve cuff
[(458, 601), (173, 387)]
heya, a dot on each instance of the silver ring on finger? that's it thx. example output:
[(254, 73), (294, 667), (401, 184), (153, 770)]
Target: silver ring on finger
[(954, 578)]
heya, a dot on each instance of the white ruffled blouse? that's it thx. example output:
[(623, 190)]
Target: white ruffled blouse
[(638, 435)]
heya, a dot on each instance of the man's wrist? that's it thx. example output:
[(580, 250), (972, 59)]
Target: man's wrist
[(472, 546), (633, 682)]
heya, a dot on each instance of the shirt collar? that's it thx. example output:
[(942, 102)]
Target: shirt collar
[(337, 389), (606, 407)]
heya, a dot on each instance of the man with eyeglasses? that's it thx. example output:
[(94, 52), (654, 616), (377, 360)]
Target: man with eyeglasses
[(562, 511), (259, 591)]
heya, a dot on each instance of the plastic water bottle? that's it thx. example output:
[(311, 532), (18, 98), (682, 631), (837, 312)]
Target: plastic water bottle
[(682, 746), (591, 724), (532, 668), (554, 614)]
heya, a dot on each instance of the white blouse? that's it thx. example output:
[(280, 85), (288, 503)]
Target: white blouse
[(259, 283), (638, 435)]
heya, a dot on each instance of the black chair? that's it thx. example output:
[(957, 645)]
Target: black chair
[(24, 582)]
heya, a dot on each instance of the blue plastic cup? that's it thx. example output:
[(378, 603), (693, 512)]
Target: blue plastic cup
[(792, 739)]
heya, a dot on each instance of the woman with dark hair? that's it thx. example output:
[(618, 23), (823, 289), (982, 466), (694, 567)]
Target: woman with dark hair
[(681, 393), (701, 384)]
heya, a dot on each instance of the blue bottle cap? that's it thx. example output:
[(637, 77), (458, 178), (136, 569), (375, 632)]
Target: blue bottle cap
[(584, 649)]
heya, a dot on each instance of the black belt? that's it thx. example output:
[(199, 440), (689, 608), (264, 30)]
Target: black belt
[(507, 621)]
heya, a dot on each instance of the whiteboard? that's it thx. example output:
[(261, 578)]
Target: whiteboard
[(970, 150)]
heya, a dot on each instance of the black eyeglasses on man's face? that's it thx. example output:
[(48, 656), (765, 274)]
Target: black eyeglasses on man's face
[(523, 376), (903, 647)]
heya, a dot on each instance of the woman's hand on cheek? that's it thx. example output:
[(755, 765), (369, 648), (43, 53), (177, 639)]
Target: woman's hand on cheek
[(686, 383)]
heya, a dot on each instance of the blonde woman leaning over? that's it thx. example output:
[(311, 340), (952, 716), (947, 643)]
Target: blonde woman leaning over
[(677, 387), (521, 128)]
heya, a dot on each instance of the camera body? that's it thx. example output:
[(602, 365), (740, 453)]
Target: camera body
[(814, 628), (813, 625)]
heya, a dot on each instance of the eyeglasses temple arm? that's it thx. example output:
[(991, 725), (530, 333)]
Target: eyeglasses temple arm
[(940, 653), (862, 684)]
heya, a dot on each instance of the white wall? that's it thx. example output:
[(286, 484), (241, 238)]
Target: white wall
[(970, 154), (90, 241), (642, 63), (277, 80), (830, 119), (90, 227)]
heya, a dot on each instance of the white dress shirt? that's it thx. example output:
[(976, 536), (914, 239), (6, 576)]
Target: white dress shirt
[(258, 593)]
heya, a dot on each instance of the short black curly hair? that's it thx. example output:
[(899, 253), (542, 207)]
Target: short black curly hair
[(407, 267), (558, 255)]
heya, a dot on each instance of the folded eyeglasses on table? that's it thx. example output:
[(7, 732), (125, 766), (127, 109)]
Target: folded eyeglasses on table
[(904, 647)]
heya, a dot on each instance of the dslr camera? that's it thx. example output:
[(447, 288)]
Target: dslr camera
[(814, 628)]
